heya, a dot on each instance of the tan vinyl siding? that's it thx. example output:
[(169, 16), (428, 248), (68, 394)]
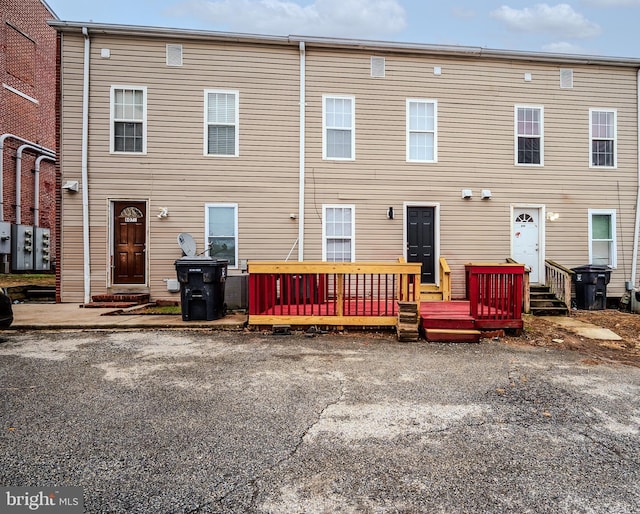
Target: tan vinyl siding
[(475, 115), (476, 102), (174, 173)]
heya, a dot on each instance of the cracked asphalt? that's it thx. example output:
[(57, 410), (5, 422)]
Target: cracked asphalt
[(200, 421)]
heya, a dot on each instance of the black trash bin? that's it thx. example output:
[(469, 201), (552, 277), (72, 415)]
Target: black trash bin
[(202, 282), (591, 286)]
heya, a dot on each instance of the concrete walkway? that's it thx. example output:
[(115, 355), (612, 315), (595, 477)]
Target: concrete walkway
[(58, 316), (582, 328), (46, 316)]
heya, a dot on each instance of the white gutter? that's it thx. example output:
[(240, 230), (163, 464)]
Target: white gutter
[(302, 152), (36, 194), (21, 149), (85, 172), (36, 146), (634, 263)]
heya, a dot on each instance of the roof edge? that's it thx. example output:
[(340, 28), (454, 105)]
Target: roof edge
[(345, 43)]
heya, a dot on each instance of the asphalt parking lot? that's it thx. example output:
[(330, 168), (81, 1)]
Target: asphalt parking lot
[(200, 421)]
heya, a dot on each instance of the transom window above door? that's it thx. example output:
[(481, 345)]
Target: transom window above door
[(525, 218)]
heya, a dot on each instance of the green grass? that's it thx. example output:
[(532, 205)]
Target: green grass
[(163, 309)]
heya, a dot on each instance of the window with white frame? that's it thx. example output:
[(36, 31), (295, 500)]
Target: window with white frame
[(221, 123), (602, 134), (221, 222), (422, 130), (128, 119), (338, 127), (602, 237), (338, 233), (529, 135)]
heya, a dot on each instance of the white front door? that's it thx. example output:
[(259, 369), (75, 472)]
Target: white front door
[(525, 239)]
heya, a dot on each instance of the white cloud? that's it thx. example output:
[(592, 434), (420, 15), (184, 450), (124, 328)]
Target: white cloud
[(563, 47), (560, 20), (337, 18), (612, 3)]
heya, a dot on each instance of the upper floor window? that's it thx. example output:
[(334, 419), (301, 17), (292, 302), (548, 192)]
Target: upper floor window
[(602, 237), (221, 123), (338, 127), (128, 119), (602, 134), (422, 131), (529, 134), (338, 239), (221, 222)]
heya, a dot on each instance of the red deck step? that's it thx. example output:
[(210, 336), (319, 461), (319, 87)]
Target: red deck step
[(448, 322), (446, 315)]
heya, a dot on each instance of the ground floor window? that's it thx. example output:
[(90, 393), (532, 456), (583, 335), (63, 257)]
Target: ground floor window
[(602, 237), (221, 222), (338, 228)]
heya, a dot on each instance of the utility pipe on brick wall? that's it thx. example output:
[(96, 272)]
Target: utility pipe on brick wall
[(302, 151), (36, 194), (19, 153), (634, 263), (3, 138), (85, 169)]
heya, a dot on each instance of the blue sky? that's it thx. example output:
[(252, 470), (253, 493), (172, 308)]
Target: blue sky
[(595, 27)]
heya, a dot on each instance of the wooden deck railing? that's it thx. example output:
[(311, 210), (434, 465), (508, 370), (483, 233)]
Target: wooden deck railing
[(330, 293), (558, 280), (495, 294), (445, 280)]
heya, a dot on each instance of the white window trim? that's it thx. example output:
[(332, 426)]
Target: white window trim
[(112, 120), (435, 128), (516, 135), (206, 122), (615, 137), (614, 237), (353, 228), (235, 220), (324, 127)]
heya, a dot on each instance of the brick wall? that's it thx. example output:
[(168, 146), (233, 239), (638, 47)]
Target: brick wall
[(28, 106)]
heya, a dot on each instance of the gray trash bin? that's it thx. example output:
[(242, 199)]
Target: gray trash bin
[(202, 281), (591, 286)]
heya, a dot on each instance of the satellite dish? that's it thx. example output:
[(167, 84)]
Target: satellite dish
[(187, 244)]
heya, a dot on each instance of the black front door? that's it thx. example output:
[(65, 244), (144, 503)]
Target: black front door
[(421, 240)]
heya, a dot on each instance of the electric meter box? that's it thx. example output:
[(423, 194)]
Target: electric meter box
[(22, 246), (5, 237), (42, 254)]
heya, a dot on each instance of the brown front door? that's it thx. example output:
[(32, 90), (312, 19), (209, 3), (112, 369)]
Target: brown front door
[(130, 241)]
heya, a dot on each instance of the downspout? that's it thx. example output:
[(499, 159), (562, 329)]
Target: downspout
[(302, 152), (21, 149), (36, 194), (634, 263), (4, 137), (85, 172)]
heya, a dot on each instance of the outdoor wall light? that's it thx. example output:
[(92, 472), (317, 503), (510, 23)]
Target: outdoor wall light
[(390, 213), (553, 216), (164, 212)]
